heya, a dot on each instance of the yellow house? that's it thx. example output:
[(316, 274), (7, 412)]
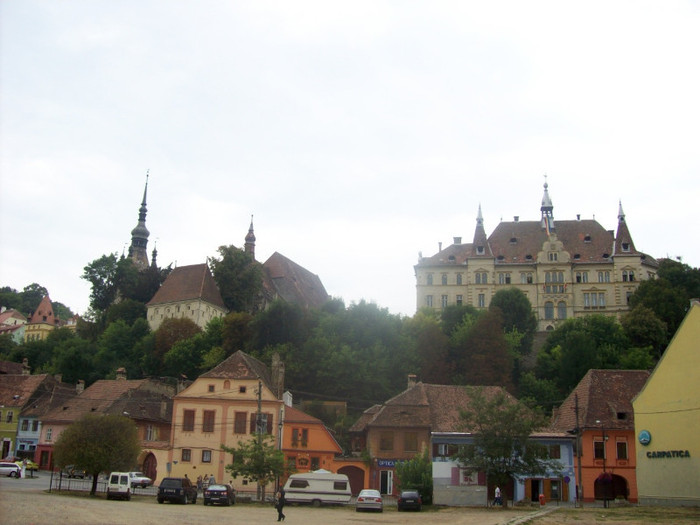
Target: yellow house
[(667, 422), (221, 407)]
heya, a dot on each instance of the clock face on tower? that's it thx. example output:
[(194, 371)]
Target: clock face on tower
[(644, 437)]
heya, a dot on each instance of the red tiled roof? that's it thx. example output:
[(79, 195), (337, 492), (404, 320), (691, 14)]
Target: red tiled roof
[(8, 367), (139, 398), (241, 366), (604, 400), (8, 316), (294, 415), (186, 283), (435, 407), (518, 242), (43, 313), (16, 390)]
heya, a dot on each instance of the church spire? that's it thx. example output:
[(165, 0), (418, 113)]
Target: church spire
[(139, 235), (547, 209), (250, 240)]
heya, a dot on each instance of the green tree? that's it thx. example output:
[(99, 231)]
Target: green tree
[(128, 310), (668, 302), (239, 278), (482, 348), (102, 275), (236, 332), (541, 393), (431, 347), (258, 460), (170, 332), (417, 473), (517, 315), (503, 447), (453, 316), (644, 329), (98, 443)]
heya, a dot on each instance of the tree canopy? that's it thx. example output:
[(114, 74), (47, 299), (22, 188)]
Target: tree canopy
[(503, 446), (239, 278), (257, 459), (99, 443)]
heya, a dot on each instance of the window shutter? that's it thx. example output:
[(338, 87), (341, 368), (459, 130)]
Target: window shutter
[(269, 423), (253, 420), (455, 475), (482, 478)]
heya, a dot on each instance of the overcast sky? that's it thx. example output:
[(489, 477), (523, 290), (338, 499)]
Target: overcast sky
[(357, 133)]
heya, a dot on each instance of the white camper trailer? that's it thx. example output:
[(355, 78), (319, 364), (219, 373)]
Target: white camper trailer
[(319, 487)]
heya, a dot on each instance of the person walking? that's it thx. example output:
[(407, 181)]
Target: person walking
[(200, 484), (497, 497), (279, 504)]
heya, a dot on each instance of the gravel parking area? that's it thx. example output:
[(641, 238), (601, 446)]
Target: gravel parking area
[(27, 506)]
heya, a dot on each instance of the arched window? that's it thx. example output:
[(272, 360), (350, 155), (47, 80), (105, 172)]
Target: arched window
[(561, 310), (227, 385), (549, 310)]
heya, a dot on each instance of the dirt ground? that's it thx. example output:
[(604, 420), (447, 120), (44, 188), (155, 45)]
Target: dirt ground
[(29, 506)]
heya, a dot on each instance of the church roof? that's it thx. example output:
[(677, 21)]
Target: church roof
[(293, 283), (186, 283)]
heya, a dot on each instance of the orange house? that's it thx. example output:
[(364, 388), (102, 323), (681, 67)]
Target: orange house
[(309, 445), (600, 409)]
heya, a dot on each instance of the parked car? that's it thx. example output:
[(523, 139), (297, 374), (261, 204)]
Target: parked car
[(30, 465), (178, 490), (409, 499), (7, 468), (118, 486), (369, 499), (222, 494), (71, 471), (139, 480)]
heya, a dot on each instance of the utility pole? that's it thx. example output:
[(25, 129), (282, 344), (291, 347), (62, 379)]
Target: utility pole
[(258, 429), (578, 454)]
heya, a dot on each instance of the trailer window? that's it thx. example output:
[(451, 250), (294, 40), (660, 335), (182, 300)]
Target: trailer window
[(340, 485), (299, 484)]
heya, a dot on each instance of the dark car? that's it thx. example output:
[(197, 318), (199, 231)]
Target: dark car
[(71, 471), (409, 500), (222, 494), (177, 490)]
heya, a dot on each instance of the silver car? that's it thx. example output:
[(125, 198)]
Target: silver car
[(10, 469), (369, 499)]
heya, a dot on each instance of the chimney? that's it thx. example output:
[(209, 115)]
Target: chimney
[(80, 387), (440, 246), (516, 218), (277, 375), (26, 369), (458, 240), (411, 380), (58, 377), (121, 374)]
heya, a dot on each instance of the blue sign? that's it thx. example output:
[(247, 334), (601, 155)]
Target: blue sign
[(386, 463), (645, 437)]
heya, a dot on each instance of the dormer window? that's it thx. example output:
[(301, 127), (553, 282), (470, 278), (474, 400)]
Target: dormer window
[(480, 250), (622, 415), (625, 246), (528, 257), (513, 240), (587, 238)]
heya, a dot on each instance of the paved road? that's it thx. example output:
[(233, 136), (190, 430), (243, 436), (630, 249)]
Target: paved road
[(27, 502)]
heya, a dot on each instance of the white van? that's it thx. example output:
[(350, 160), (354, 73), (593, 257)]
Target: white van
[(319, 487), (119, 486)]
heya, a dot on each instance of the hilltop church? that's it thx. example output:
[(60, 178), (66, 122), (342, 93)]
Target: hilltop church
[(566, 268), (191, 291)]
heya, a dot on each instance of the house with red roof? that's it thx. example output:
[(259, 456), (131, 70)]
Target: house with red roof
[(22, 396), (147, 402), (233, 402), (12, 323), (599, 412), (428, 417)]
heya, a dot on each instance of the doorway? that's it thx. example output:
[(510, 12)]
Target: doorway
[(386, 480)]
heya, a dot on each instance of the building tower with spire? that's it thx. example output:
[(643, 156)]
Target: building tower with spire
[(139, 235), (570, 270), (249, 246)]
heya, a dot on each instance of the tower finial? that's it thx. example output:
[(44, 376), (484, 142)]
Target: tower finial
[(250, 239), (139, 235)]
